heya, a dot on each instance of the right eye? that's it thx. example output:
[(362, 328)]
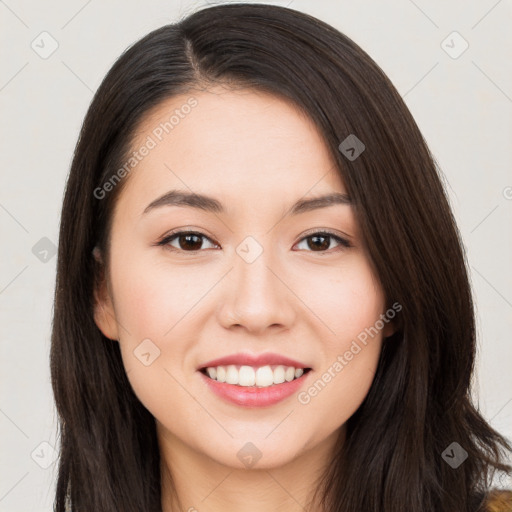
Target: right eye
[(187, 241)]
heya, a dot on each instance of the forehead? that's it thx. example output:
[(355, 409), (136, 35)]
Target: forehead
[(232, 144)]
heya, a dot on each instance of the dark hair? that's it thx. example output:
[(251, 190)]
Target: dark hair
[(419, 402)]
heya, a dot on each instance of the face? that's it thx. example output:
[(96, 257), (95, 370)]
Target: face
[(254, 277)]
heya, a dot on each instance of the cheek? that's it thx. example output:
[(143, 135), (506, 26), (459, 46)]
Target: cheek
[(146, 313), (154, 298), (156, 306), (345, 300), (350, 305), (341, 384), (338, 390)]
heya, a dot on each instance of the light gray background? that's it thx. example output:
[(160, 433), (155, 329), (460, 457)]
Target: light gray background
[(463, 106)]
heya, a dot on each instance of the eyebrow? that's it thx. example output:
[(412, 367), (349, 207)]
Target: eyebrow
[(210, 204)]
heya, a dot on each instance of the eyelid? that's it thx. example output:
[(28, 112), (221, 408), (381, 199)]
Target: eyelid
[(326, 231)]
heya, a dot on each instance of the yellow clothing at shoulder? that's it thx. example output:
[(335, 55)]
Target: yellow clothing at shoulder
[(499, 501)]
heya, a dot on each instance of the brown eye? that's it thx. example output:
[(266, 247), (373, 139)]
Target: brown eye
[(321, 241), (187, 241), (190, 242)]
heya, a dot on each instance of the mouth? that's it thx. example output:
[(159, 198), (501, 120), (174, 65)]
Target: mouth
[(254, 387), (245, 376)]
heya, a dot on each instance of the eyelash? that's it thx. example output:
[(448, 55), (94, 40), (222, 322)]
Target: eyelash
[(344, 243)]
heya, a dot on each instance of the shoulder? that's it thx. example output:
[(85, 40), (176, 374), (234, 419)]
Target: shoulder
[(499, 500)]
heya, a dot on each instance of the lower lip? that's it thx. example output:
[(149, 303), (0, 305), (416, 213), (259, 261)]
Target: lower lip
[(252, 396)]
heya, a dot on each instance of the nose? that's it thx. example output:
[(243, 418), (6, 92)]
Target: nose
[(257, 297)]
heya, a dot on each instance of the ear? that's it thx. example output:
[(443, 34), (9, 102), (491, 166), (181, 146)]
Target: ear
[(388, 329), (104, 314), (394, 323)]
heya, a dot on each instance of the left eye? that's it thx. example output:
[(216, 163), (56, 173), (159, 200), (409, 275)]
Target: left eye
[(190, 241), (321, 241)]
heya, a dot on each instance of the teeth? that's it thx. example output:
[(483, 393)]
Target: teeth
[(263, 376), (246, 376), (231, 375), (278, 376), (221, 374)]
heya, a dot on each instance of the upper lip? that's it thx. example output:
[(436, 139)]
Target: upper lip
[(268, 358)]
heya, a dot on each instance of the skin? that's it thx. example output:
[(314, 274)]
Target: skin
[(256, 154)]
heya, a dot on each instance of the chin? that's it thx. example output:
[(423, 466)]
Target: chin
[(255, 453)]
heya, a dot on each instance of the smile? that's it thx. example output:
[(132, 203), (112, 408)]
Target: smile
[(247, 376), (254, 387)]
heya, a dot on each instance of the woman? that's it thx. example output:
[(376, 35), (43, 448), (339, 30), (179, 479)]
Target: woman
[(262, 300)]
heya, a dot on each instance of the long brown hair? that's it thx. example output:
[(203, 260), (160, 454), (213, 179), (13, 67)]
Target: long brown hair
[(419, 402)]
